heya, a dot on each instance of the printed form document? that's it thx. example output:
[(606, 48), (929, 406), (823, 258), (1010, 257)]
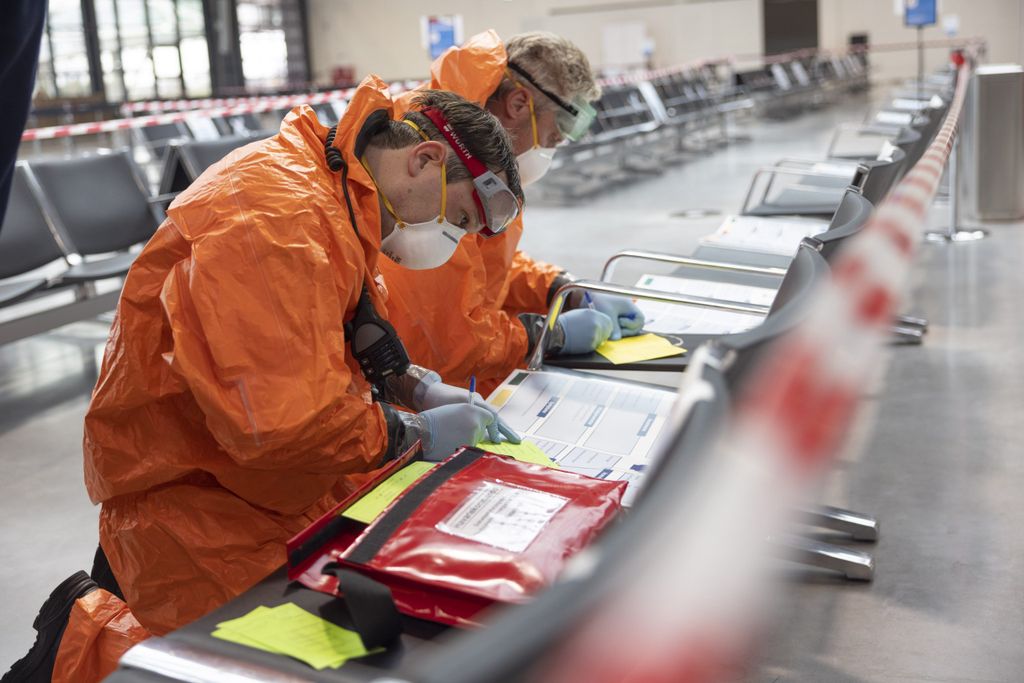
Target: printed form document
[(768, 235), (669, 318), (587, 424)]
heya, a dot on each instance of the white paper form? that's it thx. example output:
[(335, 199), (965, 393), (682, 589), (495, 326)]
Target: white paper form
[(594, 426), (720, 291), (669, 318), (664, 318), (769, 235), (835, 168)]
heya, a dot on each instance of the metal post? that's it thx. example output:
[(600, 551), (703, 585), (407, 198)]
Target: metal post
[(920, 60), (953, 233)]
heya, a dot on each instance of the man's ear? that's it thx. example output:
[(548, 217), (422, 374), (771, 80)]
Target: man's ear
[(516, 107), (426, 153)]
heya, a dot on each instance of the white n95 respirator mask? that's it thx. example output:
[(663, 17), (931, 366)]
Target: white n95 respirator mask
[(534, 163), (421, 246)]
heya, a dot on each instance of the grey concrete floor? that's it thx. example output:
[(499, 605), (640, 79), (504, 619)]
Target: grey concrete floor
[(937, 461)]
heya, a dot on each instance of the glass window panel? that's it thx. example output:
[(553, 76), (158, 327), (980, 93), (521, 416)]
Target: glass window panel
[(106, 23), (190, 18), (169, 87), (248, 16), (111, 76), (65, 15), (133, 23), (264, 59), (138, 73), (165, 59), (195, 59), (163, 21), (67, 37)]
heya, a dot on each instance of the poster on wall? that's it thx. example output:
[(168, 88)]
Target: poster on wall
[(440, 32), (920, 12)]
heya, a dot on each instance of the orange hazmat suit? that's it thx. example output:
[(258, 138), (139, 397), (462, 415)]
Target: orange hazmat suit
[(100, 629), (473, 328), (229, 413)]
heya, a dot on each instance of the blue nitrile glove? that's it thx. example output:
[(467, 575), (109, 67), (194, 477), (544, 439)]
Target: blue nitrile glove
[(440, 394), (627, 318), (583, 330), (444, 429)]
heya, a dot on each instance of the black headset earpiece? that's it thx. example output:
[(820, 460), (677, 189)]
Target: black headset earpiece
[(335, 162)]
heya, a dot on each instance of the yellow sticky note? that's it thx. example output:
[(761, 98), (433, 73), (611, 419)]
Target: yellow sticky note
[(641, 347), (290, 630), (242, 639), (369, 507), (527, 451)]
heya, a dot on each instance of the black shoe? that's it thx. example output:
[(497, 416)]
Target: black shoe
[(37, 665)]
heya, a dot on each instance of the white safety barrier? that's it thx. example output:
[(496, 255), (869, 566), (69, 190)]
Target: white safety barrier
[(691, 597)]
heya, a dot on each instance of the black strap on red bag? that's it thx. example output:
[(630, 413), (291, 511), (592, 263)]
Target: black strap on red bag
[(371, 606)]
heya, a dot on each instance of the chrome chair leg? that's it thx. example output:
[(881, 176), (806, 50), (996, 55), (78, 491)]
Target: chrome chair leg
[(911, 321), (852, 564), (903, 335), (859, 526)]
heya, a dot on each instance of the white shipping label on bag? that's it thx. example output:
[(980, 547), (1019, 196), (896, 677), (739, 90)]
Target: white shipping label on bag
[(506, 517)]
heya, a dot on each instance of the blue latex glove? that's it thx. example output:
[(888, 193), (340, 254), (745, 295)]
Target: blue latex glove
[(439, 394), (446, 428), (627, 318), (584, 330)]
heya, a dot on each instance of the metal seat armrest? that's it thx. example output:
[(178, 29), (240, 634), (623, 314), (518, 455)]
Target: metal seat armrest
[(557, 305), (677, 260)]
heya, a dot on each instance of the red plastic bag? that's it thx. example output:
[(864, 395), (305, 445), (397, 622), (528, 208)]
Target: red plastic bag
[(477, 530)]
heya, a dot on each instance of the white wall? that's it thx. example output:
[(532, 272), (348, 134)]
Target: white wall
[(1000, 21), (682, 32), (383, 36)]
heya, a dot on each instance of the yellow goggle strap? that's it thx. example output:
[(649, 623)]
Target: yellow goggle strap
[(533, 115)]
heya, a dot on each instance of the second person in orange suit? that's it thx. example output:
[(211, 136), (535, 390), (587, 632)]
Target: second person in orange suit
[(539, 86)]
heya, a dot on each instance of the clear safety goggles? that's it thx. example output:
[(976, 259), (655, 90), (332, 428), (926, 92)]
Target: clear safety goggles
[(572, 118), (494, 201)]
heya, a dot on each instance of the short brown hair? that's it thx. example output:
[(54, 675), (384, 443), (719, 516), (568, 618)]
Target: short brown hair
[(482, 133)]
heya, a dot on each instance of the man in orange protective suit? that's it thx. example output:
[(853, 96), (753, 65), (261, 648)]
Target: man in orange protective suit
[(539, 86), (231, 410)]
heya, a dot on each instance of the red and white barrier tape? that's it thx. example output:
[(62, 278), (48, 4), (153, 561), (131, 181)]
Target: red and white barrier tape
[(248, 107), (158, 106), (695, 591)]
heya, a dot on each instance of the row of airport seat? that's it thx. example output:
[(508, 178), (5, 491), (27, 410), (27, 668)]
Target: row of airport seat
[(643, 125), (70, 225), (681, 104)]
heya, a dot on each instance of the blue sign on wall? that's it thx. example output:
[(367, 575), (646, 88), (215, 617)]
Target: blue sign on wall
[(920, 12), (441, 33)]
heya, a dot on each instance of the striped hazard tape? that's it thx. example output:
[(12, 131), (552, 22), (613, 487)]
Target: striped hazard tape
[(692, 595)]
